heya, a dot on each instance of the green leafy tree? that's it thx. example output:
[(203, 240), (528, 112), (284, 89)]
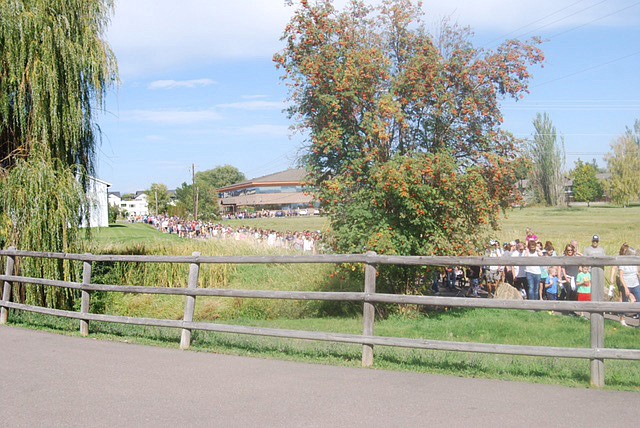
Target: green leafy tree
[(206, 184), (184, 201), (635, 132), (114, 213), (623, 162), (547, 158), (399, 121), (586, 185), (158, 198)]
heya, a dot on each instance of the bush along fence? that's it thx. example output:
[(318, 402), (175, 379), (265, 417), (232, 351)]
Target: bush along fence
[(597, 353)]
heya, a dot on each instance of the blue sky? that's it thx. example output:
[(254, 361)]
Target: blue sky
[(198, 85)]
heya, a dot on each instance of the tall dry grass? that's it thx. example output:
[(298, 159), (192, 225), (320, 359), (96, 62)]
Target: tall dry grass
[(255, 277)]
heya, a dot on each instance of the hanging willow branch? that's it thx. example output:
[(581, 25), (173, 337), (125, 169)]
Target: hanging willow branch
[(42, 205), (55, 66)]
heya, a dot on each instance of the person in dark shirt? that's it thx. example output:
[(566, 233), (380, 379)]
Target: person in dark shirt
[(473, 275)]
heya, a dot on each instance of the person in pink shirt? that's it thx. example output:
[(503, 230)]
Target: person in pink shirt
[(531, 236)]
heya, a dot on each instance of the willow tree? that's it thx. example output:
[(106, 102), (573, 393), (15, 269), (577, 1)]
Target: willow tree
[(547, 156), (55, 69), (42, 205)]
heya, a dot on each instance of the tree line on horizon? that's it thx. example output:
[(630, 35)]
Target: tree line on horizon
[(543, 168)]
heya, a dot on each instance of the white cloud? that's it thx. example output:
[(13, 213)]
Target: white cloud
[(254, 105), (171, 84), (170, 117), (154, 35)]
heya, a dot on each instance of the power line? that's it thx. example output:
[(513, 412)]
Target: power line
[(587, 69), (532, 23), (562, 134), (594, 20), (557, 20), (583, 101)]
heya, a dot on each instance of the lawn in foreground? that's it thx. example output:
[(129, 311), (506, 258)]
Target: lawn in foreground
[(125, 234)]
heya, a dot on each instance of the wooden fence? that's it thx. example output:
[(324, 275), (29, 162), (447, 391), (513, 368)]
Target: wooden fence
[(597, 353)]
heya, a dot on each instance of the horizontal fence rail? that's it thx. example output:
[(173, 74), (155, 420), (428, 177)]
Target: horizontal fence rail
[(597, 353), (372, 259), (549, 305)]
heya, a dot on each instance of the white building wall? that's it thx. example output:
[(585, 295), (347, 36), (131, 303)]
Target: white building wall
[(98, 195), (135, 207)]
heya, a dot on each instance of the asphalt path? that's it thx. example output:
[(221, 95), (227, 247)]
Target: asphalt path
[(53, 380)]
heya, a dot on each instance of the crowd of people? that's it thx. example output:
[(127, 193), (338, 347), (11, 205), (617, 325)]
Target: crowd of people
[(308, 242), (549, 282)]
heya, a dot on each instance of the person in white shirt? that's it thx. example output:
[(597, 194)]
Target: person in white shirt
[(626, 278), (533, 272)]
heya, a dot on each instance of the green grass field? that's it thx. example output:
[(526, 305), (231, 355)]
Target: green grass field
[(614, 225), (283, 224), (129, 233)]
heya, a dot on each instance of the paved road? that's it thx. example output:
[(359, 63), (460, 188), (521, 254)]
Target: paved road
[(53, 380)]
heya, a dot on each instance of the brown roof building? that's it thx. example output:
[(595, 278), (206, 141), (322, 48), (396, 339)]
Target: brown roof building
[(280, 191)]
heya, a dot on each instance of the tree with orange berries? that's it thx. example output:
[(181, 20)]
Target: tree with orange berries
[(405, 150)]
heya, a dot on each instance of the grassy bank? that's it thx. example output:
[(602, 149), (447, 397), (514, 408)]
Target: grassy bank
[(142, 239)]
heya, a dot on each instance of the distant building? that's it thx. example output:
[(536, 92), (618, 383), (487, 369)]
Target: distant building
[(282, 191), (524, 185), (138, 205), (115, 198), (130, 207)]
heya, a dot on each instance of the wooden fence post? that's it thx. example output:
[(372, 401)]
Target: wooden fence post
[(597, 326), (190, 306), (369, 311), (85, 303), (6, 289)]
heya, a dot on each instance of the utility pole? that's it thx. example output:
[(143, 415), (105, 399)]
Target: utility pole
[(197, 202), (195, 191)]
